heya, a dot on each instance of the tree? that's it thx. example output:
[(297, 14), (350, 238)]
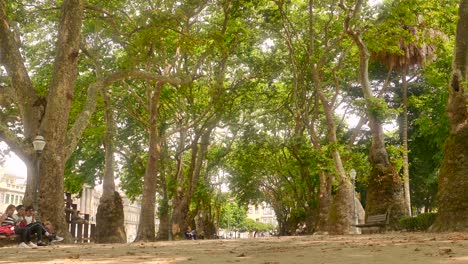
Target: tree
[(45, 115), (234, 216), (385, 193), (110, 213), (453, 183), (410, 41)]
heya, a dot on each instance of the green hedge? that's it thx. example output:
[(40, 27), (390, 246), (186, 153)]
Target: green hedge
[(420, 222)]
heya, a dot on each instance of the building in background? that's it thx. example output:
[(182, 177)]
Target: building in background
[(263, 213), (12, 189)]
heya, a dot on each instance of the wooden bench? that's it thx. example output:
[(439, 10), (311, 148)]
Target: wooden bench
[(11, 239), (378, 220)]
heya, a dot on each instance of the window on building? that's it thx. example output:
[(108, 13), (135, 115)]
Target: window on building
[(1, 198), (7, 198)]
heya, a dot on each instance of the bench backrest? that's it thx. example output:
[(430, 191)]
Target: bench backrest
[(379, 218)]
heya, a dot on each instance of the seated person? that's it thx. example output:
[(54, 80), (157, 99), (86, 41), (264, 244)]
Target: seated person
[(8, 219), (46, 227), (33, 228), (194, 234), (188, 234)]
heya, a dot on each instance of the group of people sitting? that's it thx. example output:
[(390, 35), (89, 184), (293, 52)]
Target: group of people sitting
[(25, 224)]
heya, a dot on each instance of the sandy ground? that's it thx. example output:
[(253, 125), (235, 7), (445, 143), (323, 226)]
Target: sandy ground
[(418, 248)]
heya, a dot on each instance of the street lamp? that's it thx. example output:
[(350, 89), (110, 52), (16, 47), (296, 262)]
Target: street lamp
[(39, 144), (352, 173)]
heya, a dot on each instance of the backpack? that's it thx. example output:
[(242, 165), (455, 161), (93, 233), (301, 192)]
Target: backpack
[(7, 230)]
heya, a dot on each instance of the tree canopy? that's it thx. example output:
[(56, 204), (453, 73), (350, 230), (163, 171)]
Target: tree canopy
[(281, 98)]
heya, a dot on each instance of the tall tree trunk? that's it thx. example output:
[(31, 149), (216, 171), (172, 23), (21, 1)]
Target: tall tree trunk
[(179, 208), (110, 226), (342, 213), (453, 178), (404, 138), (385, 192), (325, 181), (54, 124), (199, 148), (325, 200), (164, 212), (146, 228)]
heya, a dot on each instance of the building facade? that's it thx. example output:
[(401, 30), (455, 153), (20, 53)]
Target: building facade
[(263, 213), (11, 189)]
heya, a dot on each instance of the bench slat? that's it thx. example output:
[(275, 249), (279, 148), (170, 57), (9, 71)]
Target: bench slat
[(375, 220)]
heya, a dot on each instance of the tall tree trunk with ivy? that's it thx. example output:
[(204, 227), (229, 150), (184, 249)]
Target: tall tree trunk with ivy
[(453, 178)]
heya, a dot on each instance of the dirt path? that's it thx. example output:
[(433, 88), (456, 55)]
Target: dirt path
[(389, 248)]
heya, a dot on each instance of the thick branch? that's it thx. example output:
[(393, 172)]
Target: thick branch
[(21, 148), (74, 134), (11, 58)]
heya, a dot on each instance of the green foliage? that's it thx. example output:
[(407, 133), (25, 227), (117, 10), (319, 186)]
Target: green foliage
[(421, 222), (86, 165), (417, 23), (395, 154), (378, 108), (251, 225), (261, 95), (233, 216), (429, 129)]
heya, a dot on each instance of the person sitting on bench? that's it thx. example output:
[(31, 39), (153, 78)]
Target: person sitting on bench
[(46, 227), (8, 220), (33, 228)]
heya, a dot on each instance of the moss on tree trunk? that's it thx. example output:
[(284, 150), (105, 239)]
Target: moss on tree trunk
[(453, 178)]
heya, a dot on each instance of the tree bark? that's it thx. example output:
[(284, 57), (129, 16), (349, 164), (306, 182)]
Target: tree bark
[(325, 201), (146, 228), (385, 192), (164, 210), (199, 148), (341, 214), (404, 138), (54, 122), (110, 226), (453, 178)]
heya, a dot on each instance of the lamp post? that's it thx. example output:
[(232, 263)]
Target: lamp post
[(352, 173), (169, 235), (38, 144)]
